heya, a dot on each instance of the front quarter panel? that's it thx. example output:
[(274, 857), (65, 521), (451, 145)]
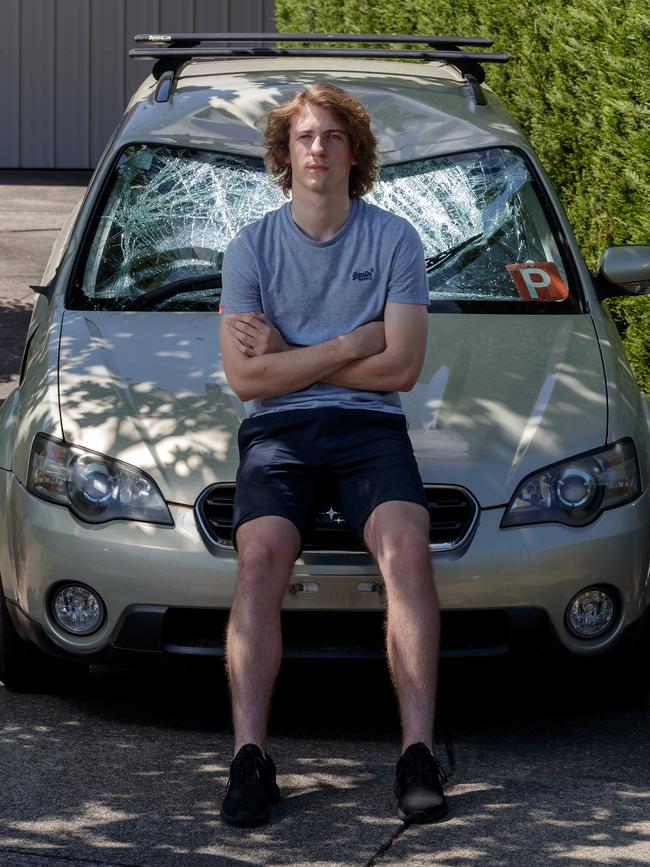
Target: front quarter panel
[(30, 408), (628, 412), (38, 406), (8, 415)]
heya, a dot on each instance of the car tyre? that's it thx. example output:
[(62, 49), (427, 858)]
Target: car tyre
[(25, 668)]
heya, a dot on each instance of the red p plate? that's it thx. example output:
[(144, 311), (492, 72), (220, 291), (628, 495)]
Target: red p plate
[(538, 281)]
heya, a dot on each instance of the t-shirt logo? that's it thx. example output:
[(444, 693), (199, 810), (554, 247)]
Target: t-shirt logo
[(363, 275)]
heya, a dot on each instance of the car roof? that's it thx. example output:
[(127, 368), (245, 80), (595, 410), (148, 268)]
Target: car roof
[(417, 109)]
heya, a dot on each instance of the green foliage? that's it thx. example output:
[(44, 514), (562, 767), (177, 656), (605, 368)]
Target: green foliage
[(632, 318), (578, 83)]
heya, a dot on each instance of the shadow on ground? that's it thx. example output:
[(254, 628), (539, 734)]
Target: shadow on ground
[(546, 770), (14, 322)]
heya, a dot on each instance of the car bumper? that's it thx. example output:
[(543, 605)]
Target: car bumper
[(502, 578), (145, 632)]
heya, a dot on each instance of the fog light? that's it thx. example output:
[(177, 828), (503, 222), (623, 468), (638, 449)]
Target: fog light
[(590, 613), (77, 609)]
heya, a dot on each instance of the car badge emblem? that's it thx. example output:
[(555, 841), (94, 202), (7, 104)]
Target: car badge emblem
[(334, 516)]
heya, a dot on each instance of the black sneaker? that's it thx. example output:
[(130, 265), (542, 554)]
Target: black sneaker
[(418, 786), (252, 789)]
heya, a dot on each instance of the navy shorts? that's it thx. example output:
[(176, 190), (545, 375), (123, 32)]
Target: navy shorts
[(287, 458)]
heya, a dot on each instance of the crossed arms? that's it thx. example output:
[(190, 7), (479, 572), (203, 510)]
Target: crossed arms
[(377, 356)]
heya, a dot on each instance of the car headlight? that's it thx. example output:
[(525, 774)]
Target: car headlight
[(576, 491), (95, 487)]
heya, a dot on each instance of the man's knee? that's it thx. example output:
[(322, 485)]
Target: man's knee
[(398, 531), (267, 548)]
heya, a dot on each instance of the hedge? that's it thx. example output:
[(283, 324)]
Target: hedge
[(577, 82)]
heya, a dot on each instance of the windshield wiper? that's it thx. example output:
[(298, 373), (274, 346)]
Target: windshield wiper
[(176, 287), (433, 262)]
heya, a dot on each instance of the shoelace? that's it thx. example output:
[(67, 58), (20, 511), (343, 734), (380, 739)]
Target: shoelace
[(244, 770), (422, 769)]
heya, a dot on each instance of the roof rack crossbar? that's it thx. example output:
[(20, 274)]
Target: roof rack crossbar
[(192, 39), (173, 50), (154, 53)]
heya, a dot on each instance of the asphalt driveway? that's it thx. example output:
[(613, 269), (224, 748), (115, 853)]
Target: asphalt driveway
[(131, 771), (33, 207)]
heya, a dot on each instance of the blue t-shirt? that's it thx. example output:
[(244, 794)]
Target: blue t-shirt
[(314, 291)]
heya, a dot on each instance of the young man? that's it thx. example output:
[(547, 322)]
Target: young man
[(324, 322)]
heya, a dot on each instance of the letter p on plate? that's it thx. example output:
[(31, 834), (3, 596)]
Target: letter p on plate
[(538, 281)]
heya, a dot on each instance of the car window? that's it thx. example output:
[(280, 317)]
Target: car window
[(487, 241), (169, 213)]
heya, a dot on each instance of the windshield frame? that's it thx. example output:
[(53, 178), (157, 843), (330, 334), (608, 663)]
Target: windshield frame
[(75, 299)]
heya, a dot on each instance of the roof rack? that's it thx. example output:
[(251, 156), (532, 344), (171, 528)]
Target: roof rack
[(172, 51)]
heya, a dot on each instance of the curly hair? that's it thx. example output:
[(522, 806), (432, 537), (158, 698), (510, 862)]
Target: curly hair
[(355, 118)]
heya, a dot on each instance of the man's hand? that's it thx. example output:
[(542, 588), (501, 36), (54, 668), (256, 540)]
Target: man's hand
[(254, 334), (259, 364), (395, 367)]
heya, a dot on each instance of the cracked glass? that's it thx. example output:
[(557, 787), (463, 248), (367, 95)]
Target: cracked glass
[(484, 231), (171, 212)]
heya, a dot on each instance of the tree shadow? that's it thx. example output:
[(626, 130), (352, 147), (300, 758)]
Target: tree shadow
[(14, 322), (543, 775)]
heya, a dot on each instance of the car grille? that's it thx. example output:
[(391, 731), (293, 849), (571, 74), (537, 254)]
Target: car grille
[(453, 514)]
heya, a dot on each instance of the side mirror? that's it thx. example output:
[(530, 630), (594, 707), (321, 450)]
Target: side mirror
[(624, 271), (48, 289)]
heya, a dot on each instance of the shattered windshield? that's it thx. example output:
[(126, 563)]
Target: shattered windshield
[(486, 237), (169, 215), (158, 240)]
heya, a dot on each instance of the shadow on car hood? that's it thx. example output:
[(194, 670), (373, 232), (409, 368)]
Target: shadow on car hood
[(501, 396), (498, 397), (149, 389)]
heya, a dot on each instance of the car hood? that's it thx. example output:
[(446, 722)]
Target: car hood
[(499, 397)]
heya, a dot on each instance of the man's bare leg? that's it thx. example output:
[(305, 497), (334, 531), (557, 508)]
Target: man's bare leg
[(397, 535), (267, 550)]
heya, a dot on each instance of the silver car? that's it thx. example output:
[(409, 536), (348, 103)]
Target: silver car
[(118, 449)]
